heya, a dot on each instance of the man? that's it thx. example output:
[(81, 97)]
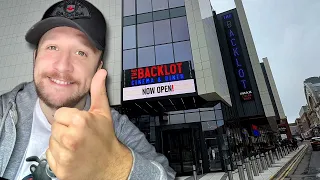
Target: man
[(52, 127)]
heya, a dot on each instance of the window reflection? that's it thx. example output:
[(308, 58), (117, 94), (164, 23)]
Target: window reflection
[(129, 7), (146, 57), (129, 59), (143, 6), (209, 125), (129, 37), (192, 117), (162, 32), (177, 119), (159, 4), (219, 114), (180, 30), (207, 115), (182, 51), (164, 54), (145, 34), (176, 3)]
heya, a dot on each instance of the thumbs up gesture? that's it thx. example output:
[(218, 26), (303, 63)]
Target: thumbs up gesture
[(83, 144)]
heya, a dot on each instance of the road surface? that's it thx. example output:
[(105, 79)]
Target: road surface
[(308, 168)]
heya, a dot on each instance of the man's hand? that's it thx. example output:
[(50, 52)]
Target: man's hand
[(83, 144)]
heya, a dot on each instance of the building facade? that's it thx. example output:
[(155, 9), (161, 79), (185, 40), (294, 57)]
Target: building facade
[(312, 94), (189, 78)]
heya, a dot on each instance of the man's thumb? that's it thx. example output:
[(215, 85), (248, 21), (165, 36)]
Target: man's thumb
[(99, 98)]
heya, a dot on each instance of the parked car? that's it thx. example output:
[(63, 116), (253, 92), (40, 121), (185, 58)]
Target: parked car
[(315, 143)]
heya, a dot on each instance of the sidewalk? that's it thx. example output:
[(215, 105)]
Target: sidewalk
[(266, 175)]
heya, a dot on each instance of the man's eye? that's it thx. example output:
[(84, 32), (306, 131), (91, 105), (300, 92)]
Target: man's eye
[(52, 48), (81, 53)]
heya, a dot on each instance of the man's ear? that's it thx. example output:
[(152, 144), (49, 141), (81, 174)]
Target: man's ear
[(100, 65)]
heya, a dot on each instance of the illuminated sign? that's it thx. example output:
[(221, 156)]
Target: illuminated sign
[(237, 57), (158, 74), (159, 89), (158, 81)]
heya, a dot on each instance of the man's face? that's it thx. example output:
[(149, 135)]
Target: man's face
[(64, 67)]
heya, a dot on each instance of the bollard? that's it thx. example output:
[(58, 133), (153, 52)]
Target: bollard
[(263, 162), (254, 166), (248, 168), (194, 172), (230, 175), (241, 171), (267, 159), (281, 152), (272, 157), (277, 154), (259, 164)]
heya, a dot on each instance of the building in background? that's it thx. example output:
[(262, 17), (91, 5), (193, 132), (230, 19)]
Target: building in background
[(189, 78), (312, 94), (303, 123)]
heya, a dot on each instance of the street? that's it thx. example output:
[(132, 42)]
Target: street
[(308, 168)]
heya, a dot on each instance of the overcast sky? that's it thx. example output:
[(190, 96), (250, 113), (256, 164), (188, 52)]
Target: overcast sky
[(288, 33)]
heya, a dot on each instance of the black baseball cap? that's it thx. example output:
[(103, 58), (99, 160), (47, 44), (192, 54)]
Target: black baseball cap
[(78, 14)]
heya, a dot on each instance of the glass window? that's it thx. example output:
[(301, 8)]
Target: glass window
[(160, 15), (182, 51), (145, 34), (209, 125), (143, 18), (220, 123), (219, 114), (177, 119), (176, 3), (218, 106), (207, 109), (146, 57), (130, 20), (207, 115), (129, 7), (144, 6), (180, 30), (177, 12), (192, 117), (129, 37), (159, 5), (129, 59), (162, 32), (164, 54), (191, 110)]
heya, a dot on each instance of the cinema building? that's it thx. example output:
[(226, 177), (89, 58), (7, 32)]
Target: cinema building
[(189, 78)]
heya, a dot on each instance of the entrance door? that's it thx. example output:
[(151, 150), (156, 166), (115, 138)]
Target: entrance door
[(180, 147)]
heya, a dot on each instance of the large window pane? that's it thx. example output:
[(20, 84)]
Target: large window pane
[(129, 59), (219, 114), (180, 30), (146, 56), (209, 126), (192, 117), (177, 119), (164, 54), (176, 3), (143, 18), (145, 34), (130, 20), (129, 37), (159, 4), (162, 32), (177, 12), (182, 51), (144, 6), (207, 115), (161, 15), (129, 7)]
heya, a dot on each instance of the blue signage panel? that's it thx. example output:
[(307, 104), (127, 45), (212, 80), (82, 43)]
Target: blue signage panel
[(235, 50)]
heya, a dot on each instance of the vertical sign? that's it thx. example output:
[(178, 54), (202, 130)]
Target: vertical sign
[(235, 50)]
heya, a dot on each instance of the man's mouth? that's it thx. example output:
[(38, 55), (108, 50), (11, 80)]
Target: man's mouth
[(60, 82)]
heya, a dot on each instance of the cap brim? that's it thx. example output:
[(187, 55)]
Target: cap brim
[(35, 33)]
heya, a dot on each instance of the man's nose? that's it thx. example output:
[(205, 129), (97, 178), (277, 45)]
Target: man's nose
[(63, 63)]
